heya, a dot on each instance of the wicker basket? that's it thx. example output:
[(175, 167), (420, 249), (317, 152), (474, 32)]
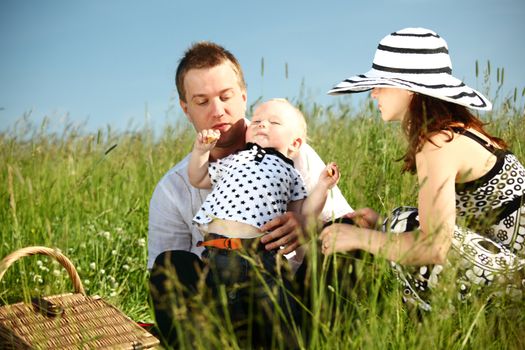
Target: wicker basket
[(67, 321)]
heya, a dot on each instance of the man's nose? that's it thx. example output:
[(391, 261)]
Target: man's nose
[(217, 108)]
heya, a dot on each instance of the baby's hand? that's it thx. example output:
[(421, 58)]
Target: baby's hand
[(330, 175), (207, 139)]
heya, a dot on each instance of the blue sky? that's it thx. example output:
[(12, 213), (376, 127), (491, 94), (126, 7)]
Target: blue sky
[(111, 62)]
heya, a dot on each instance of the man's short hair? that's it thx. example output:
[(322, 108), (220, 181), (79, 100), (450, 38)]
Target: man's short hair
[(205, 54)]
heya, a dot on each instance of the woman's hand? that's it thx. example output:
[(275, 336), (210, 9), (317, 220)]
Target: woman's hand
[(364, 217), (284, 231), (338, 238)]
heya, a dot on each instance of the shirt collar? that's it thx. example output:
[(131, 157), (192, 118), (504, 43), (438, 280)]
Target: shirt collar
[(269, 150)]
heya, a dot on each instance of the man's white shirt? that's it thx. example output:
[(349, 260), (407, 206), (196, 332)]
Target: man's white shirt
[(175, 202)]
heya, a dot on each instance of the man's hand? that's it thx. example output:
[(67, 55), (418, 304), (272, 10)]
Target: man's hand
[(284, 231)]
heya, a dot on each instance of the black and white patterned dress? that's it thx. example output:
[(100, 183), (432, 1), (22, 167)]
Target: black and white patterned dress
[(489, 237), (252, 186)]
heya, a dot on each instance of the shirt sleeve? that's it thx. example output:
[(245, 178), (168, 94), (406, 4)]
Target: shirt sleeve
[(168, 226), (214, 171), (298, 188), (310, 165)]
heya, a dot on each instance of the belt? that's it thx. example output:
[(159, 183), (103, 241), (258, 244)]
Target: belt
[(221, 242)]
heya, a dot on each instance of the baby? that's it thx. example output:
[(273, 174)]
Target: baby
[(257, 184)]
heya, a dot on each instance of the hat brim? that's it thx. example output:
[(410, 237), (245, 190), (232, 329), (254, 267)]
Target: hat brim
[(448, 89)]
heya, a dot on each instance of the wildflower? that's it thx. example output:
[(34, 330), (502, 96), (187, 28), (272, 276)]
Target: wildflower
[(56, 273), (87, 282), (112, 294), (39, 263), (92, 266), (141, 242), (104, 234), (38, 279), (102, 271), (114, 252), (125, 267)]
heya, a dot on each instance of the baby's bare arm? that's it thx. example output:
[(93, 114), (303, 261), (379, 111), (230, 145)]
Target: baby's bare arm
[(199, 158)]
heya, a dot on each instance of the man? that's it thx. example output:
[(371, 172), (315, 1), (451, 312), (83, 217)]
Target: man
[(212, 94)]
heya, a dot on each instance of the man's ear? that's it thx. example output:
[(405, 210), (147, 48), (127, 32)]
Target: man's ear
[(244, 97), (184, 106)]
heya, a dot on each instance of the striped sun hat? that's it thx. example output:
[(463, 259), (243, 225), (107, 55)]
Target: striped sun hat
[(415, 59)]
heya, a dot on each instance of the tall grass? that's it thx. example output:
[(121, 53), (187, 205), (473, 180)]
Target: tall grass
[(88, 195)]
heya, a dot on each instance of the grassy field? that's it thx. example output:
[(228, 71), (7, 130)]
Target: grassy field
[(88, 196)]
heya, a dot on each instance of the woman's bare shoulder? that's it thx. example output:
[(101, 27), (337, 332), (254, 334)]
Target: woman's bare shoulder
[(438, 141)]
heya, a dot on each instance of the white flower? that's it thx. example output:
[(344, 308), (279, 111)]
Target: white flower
[(37, 278), (102, 271), (92, 266), (114, 252), (56, 273), (141, 242), (39, 263), (125, 267)]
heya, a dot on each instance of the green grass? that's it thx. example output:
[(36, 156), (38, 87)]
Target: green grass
[(88, 195)]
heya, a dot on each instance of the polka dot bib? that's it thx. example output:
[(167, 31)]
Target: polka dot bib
[(252, 186)]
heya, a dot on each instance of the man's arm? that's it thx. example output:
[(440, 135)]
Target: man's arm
[(199, 159), (167, 228)]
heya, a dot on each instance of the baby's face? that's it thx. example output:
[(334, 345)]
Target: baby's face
[(274, 124)]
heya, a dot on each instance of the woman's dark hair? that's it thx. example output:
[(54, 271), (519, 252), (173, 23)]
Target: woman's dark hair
[(429, 116)]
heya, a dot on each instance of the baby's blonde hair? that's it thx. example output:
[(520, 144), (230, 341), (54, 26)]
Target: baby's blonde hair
[(301, 121)]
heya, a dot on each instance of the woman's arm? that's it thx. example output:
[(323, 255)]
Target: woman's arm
[(437, 168), (199, 158)]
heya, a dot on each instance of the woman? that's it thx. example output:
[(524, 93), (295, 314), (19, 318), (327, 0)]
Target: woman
[(470, 186)]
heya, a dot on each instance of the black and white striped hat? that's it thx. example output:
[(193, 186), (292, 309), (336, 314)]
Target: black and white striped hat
[(415, 59)]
